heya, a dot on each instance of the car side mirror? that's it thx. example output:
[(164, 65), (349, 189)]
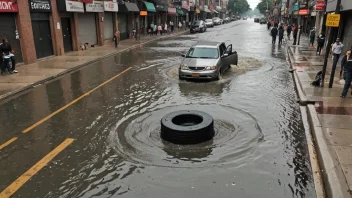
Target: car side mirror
[(224, 55), (183, 55)]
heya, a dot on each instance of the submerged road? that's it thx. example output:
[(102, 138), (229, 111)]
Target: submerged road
[(96, 132)]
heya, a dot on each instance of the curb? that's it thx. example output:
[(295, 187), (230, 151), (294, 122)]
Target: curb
[(35, 84), (302, 98), (331, 171)]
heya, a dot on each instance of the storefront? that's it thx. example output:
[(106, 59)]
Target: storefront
[(152, 17), (185, 9), (133, 16), (207, 12), (171, 15), (87, 24), (8, 26), (40, 11), (69, 24), (162, 12)]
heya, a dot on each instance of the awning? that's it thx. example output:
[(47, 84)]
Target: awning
[(131, 7), (171, 11), (218, 8), (161, 7), (150, 7), (206, 10), (216, 12), (179, 12)]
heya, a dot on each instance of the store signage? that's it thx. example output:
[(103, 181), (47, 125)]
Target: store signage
[(8, 6), (40, 5), (320, 6), (185, 5), (333, 20), (143, 13), (295, 7), (96, 6), (197, 11), (276, 11), (111, 6), (74, 6), (86, 1), (303, 12)]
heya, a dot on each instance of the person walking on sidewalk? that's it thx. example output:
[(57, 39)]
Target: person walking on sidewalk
[(312, 36), (320, 41), (348, 77), (172, 26), (281, 34), (289, 30), (6, 50), (343, 62), (274, 32), (165, 28), (295, 34), (116, 38), (336, 51)]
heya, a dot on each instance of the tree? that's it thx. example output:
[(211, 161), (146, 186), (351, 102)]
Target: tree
[(238, 6), (262, 6)]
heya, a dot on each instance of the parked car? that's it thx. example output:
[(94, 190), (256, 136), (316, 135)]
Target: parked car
[(244, 18), (209, 22), (262, 20), (207, 60), (256, 20), (217, 21), (227, 20), (233, 18), (221, 21), (198, 26)]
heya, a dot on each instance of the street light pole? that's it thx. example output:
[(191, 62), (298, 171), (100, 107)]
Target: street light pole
[(332, 33)]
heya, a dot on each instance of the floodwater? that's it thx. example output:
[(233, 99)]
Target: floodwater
[(259, 148)]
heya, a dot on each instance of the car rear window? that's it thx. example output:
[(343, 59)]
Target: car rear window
[(203, 52)]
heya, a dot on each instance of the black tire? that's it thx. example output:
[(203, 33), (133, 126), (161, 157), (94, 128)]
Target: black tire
[(187, 127), (218, 77), (180, 77)]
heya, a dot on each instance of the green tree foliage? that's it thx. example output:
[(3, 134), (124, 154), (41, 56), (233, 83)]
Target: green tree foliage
[(262, 6), (238, 6)]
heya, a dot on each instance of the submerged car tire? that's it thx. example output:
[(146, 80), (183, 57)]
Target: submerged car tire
[(187, 127), (218, 77)]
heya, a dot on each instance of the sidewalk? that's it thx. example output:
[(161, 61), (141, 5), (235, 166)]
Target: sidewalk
[(330, 118), (50, 68)]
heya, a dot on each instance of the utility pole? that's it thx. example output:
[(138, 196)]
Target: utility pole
[(328, 47)]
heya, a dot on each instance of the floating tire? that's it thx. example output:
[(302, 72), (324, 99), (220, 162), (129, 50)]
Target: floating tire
[(187, 127)]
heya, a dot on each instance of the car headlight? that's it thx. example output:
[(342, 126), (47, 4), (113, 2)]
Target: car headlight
[(211, 68), (183, 67)]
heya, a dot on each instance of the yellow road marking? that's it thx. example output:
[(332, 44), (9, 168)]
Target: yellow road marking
[(72, 102), (18, 183), (8, 142)]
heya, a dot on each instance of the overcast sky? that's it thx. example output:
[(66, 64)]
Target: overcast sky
[(253, 3)]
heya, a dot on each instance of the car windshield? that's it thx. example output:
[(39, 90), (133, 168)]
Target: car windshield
[(208, 20), (203, 52), (197, 23)]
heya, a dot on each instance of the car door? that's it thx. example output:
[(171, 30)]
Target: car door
[(232, 58)]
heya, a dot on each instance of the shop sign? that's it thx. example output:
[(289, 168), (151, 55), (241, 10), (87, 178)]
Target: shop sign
[(314, 13), (197, 11), (74, 6), (320, 6), (303, 12), (8, 6), (111, 6), (185, 5), (333, 20), (40, 5), (96, 6), (86, 1), (276, 11), (295, 7), (143, 13)]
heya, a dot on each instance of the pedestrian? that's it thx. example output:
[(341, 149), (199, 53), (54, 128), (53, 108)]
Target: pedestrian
[(289, 30), (152, 28), (116, 38), (336, 51), (347, 76), (269, 25), (281, 34), (6, 50), (274, 32), (296, 32), (134, 33), (165, 28), (179, 25), (155, 30), (320, 41), (312, 36), (343, 62), (184, 24), (160, 29), (172, 26)]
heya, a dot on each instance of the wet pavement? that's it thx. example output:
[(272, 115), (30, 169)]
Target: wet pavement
[(259, 148)]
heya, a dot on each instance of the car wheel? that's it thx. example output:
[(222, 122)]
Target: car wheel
[(218, 77), (187, 127), (180, 77)]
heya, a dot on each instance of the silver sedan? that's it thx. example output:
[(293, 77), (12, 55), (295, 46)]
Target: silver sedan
[(207, 60)]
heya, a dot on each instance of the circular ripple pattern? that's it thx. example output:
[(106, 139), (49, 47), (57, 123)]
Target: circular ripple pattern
[(237, 136)]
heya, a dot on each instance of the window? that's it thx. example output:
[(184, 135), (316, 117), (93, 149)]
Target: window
[(203, 52)]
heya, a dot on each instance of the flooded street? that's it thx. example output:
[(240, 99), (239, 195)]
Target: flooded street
[(259, 148)]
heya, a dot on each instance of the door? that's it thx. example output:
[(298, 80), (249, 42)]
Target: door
[(224, 60), (108, 26), (8, 30), (123, 26), (232, 58), (42, 38), (87, 28), (66, 34)]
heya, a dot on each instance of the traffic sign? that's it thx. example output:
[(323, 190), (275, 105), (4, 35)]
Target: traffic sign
[(333, 20), (320, 6)]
